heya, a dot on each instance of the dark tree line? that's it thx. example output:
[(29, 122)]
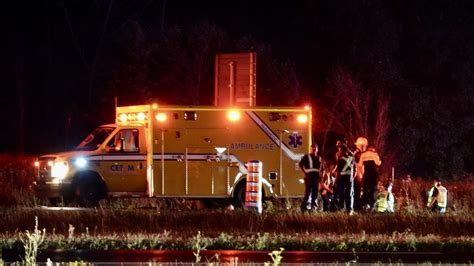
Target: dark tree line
[(398, 72)]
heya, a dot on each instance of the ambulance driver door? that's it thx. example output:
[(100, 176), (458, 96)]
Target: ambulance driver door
[(125, 162)]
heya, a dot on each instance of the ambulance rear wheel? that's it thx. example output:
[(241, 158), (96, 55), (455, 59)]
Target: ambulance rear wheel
[(238, 199)]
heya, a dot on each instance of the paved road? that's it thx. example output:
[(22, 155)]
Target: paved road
[(109, 256)]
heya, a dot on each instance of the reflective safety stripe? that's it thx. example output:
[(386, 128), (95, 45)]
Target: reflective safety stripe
[(113, 157), (203, 156), (311, 167), (347, 170), (274, 137), (442, 197)]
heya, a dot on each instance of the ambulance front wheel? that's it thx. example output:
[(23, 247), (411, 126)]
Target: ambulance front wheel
[(89, 191)]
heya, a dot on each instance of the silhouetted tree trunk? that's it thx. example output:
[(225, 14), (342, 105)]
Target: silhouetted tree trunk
[(20, 86), (96, 55)]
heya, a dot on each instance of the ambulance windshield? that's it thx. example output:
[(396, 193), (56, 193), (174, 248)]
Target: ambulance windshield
[(93, 141)]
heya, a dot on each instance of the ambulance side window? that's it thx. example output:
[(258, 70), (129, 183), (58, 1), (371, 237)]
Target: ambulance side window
[(126, 140)]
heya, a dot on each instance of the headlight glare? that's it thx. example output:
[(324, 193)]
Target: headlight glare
[(59, 169), (81, 162)]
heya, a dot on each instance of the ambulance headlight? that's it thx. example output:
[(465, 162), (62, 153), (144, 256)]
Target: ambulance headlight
[(59, 169), (80, 162)]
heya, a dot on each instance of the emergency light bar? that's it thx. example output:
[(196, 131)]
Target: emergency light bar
[(133, 117)]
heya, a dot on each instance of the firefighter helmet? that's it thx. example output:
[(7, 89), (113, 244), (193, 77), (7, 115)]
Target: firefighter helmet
[(361, 141)]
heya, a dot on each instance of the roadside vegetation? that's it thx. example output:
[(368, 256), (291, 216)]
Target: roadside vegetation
[(178, 224), (309, 241)]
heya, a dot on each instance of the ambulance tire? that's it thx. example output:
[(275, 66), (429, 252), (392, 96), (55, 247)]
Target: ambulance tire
[(238, 200), (89, 191)]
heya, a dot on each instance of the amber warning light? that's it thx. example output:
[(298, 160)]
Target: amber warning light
[(161, 117), (133, 117), (233, 115), (302, 118)]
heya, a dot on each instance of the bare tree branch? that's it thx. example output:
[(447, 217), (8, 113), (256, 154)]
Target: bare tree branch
[(356, 111)]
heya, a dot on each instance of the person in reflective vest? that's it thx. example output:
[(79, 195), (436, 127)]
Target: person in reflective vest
[(361, 145), (390, 199), (345, 180), (384, 200), (437, 197), (381, 202), (368, 163), (310, 164)]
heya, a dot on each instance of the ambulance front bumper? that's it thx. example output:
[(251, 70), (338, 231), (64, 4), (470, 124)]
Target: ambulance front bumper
[(49, 189)]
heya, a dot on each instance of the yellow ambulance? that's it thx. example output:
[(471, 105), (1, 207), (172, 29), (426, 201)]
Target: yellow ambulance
[(194, 152)]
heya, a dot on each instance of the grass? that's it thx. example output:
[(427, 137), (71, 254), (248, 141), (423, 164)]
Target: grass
[(16, 178), (178, 224), (106, 221), (405, 241)]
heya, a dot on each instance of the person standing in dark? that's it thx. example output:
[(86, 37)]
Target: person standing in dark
[(341, 143), (310, 164), (361, 145), (437, 197), (345, 180), (327, 192), (369, 161)]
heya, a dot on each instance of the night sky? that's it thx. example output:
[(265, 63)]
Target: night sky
[(65, 61)]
